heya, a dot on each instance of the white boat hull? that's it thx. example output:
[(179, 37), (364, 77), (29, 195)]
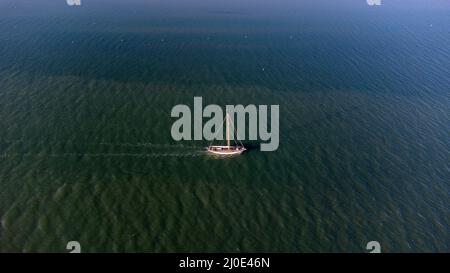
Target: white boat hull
[(226, 150)]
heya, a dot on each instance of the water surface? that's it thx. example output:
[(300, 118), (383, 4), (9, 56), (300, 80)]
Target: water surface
[(85, 146)]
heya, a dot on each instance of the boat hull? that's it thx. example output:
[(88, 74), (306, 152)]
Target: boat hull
[(225, 150)]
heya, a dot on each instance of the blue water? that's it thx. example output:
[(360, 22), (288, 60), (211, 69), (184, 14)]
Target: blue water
[(86, 152)]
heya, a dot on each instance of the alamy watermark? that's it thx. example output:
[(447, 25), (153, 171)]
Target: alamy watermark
[(189, 125), (374, 247), (373, 2), (74, 247), (73, 2)]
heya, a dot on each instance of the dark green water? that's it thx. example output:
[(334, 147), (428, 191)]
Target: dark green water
[(86, 152)]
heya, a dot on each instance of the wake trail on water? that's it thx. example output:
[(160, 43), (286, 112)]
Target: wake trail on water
[(147, 155), (124, 144), (155, 150)]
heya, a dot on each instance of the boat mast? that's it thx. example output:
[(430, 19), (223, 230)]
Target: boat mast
[(228, 130)]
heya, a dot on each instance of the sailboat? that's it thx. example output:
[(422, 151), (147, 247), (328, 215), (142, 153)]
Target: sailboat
[(228, 149)]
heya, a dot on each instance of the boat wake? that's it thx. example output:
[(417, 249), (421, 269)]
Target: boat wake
[(87, 155), (136, 150), (112, 144)]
